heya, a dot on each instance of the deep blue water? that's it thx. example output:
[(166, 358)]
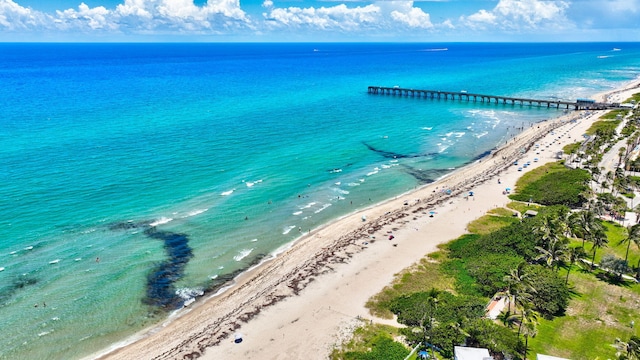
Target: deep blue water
[(176, 165)]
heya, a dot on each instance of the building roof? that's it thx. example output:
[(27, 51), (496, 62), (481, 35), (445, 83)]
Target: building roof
[(548, 357), (467, 353)]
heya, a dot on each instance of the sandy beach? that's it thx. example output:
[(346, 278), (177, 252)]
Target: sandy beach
[(309, 298)]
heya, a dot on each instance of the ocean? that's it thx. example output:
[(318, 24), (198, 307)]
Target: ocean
[(137, 177)]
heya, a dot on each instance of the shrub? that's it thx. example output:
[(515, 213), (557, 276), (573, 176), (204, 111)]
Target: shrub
[(560, 188), (489, 271), (551, 295)]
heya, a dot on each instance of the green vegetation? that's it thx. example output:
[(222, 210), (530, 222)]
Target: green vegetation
[(597, 315), (566, 274), (494, 220), (635, 97), (558, 185), (603, 127), (571, 148), (372, 342), (613, 114), (522, 207), (424, 275)]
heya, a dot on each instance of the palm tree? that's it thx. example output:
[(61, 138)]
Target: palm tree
[(507, 318), (629, 350), (518, 287), (552, 227), (621, 153), (554, 253), (584, 224), (599, 240), (574, 254), (632, 237), (529, 328)]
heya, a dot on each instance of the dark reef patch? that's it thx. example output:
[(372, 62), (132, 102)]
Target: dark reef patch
[(394, 155), (128, 225), (425, 176), (161, 280), (7, 292)]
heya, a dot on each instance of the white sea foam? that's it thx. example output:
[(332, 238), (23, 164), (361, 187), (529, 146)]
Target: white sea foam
[(385, 166), (227, 193), (54, 261), (308, 205), (189, 295), (254, 240), (288, 229), (29, 248), (361, 180), (77, 259), (196, 212), (375, 171), (343, 192), (337, 183), (335, 171), (162, 220), (242, 254), (251, 183), (427, 128), (44, 333), (482, 134), (1, 269), (297, 213), (352, 184), (322, 208), (459, 134), (213, 277), (13, 253)]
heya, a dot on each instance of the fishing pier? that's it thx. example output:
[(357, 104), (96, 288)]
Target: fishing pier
[(580, 104)]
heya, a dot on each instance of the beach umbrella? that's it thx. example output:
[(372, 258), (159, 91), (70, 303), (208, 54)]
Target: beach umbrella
[(431, 213), (237, 338), (470, 193), (423, 354), (508, 189)]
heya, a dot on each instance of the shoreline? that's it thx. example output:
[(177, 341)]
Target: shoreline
[(344, 246)]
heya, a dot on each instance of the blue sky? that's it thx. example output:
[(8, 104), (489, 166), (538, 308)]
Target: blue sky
[(320, 20)]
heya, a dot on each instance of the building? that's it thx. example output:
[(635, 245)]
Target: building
[(548, 357), (467, 353)]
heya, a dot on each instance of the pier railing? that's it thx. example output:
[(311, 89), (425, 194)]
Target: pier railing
[(496, 99)]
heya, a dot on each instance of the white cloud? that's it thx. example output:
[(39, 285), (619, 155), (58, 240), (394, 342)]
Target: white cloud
[(411, 16), (14, 17), (338, 17), (515, 15), (85, 17), (392, 15), (483, 17), (132, 16)]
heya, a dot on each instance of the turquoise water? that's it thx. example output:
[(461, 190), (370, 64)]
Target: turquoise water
[(136, 176)]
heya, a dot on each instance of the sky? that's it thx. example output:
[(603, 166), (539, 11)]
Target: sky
[(319, 20)]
